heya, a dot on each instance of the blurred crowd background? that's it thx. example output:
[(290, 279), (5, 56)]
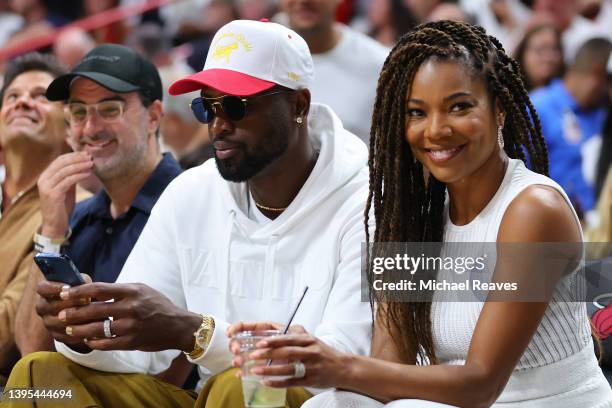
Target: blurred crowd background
[(545, 37)]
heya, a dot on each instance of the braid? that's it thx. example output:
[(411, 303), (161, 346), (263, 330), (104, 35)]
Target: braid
[(406, 207)]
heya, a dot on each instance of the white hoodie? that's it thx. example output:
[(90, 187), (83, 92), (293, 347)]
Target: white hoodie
[(201, 250)]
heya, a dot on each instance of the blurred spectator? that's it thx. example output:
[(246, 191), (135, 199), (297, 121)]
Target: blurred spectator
[(216, 14), (390, 19), (10, 22), (205, 17), (421, 9), (540, 56), (40, 17), (449, 11), (598, 13), (256, 9), (53, 12), (71, 45), (150, 16), (63, 11), (152, 42), (572, 113), (605, 157), (601, 232), (180, 16), (563, 12), (435, 10), (503, 19), (182, 132), (32, 135), (113, 33), (575, 28), (346, 62)]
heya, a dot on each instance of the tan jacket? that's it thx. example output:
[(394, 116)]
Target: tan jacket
[(17, 227)]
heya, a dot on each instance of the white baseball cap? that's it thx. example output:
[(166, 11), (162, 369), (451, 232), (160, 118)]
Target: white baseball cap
[(247, 57)]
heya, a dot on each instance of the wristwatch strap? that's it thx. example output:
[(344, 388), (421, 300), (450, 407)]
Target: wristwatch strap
[(52, 245)]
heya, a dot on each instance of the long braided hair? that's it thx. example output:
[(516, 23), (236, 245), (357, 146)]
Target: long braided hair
[(407, 208)]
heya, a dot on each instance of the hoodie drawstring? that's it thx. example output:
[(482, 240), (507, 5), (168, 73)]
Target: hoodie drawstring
[(225, 268), (269, 264)]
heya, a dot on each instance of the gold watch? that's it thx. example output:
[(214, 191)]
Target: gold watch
[(202, 337)]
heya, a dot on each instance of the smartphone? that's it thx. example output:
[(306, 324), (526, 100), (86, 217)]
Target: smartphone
[(58, 268)]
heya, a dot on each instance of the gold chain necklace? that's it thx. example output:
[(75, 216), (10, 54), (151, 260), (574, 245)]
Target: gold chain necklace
[(263, 207), (281, 209)]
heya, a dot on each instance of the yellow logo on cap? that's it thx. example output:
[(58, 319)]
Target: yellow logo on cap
[(293, 76), (228, 43)]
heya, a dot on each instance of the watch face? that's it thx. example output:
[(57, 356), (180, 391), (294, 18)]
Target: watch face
[(201, 337)]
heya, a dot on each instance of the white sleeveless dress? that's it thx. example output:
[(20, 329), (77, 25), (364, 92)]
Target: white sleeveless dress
[(558, 369)]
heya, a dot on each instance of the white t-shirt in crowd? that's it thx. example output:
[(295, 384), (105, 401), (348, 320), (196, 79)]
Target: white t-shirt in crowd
[(346, 79), (10, 23)]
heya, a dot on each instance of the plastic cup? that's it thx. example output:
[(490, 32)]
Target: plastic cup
[(256, 394)]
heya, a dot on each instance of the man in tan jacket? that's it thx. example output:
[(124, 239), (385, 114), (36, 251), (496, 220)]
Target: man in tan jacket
[(32, 134)]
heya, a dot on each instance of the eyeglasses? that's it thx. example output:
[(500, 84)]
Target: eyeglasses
[(234, 107), (108, 111)]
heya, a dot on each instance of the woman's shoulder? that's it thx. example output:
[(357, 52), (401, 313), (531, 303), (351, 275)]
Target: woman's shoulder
[(539, 213), (538, 209)]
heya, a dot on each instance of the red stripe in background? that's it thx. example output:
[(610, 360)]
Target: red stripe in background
[(90, 23)]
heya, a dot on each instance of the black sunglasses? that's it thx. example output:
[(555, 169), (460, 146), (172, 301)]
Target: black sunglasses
[(234, 107)]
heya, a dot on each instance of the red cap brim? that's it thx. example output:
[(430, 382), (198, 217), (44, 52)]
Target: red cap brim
[(223, 80)]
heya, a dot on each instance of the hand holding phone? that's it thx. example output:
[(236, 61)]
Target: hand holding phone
[(58, 268), (59, 271)]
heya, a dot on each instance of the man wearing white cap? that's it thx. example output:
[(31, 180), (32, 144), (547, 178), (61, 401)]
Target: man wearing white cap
[(236, 239)]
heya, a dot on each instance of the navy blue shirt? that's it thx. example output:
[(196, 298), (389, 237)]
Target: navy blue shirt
[(100, 245)]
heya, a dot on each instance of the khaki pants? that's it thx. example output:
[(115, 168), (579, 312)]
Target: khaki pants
[(93, 388)]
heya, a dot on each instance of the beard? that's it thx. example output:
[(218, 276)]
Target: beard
[(122, 162), (251, 163)]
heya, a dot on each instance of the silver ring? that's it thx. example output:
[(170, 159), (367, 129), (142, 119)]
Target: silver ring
[(299, 369), (107, 329)]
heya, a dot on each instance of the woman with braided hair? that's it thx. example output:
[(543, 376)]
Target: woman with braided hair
[(453, 129)]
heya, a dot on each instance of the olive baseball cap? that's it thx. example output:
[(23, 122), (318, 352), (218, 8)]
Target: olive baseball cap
[(114, 67)]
